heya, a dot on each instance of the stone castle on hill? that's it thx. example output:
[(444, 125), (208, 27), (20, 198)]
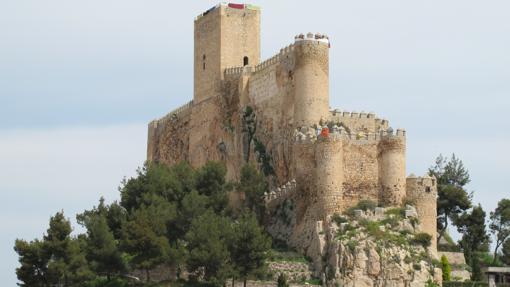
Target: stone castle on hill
[(276, 113)]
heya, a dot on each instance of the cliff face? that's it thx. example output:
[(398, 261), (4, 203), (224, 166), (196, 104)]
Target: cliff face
[(378, 247)]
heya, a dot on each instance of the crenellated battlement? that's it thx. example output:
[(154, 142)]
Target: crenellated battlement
[(311, 134), (425, 181), (354, 114), (316, 38), (277, 195), (228, 6), (175, 114)]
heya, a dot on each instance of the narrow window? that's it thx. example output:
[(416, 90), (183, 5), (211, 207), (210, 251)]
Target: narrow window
[(245, 61), (203, 62)]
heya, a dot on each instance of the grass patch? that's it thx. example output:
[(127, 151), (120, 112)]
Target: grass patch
[(364, 205), (279, 255)]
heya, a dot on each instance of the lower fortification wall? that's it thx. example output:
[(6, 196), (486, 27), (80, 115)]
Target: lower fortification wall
[(168, 137), (361, 169)]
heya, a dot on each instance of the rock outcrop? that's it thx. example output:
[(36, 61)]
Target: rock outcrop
[(379, 247)]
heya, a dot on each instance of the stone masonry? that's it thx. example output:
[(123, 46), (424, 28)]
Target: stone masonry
[(277, 113)]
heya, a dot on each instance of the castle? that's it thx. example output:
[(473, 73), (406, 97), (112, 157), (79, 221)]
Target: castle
[(276, 112)]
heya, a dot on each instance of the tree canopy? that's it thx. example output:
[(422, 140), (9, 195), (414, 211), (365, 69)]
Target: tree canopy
[(173, 216), (500, 224), (452, 199)]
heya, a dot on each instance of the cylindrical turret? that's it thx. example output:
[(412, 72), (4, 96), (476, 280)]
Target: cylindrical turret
[(422, 192), (311, 77), (303, 165), (329, 176), (392, 167)]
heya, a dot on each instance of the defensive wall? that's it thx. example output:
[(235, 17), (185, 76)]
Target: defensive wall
[(422, 192), (327, 160), (349, 167)]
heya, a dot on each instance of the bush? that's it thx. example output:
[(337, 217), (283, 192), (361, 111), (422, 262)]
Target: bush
[(314, 281), (338, 219), (423, 239), (363, 205), (465, 284), (446, 268), (287, 256), (103, 282), (448, 248), (366, 205), (399, 212), (282, 280)]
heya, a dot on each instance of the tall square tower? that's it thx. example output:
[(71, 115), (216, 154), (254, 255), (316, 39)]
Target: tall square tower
[(227, 35)]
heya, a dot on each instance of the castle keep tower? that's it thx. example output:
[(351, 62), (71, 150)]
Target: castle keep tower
[(225, 36)]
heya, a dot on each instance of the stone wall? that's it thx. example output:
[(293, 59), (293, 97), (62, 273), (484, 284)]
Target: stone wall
[(422, 192), (362, 121), (337, 158), (168, 137)]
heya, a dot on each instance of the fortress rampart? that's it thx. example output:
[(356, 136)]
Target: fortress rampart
[(349, 167), (324, 160)]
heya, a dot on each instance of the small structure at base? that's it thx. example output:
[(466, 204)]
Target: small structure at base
[(497, 275)]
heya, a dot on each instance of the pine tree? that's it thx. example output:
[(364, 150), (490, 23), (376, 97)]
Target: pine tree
[(208, 239), (33, 259), (68, 265), (145, 234), (102, 249), (474, 234), (210, 181), (253, 185), (452, 199), (500, 224), (505, 252), (249, 246)]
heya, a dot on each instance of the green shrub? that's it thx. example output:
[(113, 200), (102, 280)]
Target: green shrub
[(363, 205), (465, 284), (287, 255), (282, 280), (314, 281), (423, 239), (366, 204), (338, 219), (431, 283), (448, 248), (446, 268), (103, 282), (399, 212)]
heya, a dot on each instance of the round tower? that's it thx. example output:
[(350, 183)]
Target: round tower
[(303, 160), (392, 167), (311, 78), (329, 175), (422, 192)]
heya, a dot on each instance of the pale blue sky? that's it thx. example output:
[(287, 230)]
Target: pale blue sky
[(79, 80)]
